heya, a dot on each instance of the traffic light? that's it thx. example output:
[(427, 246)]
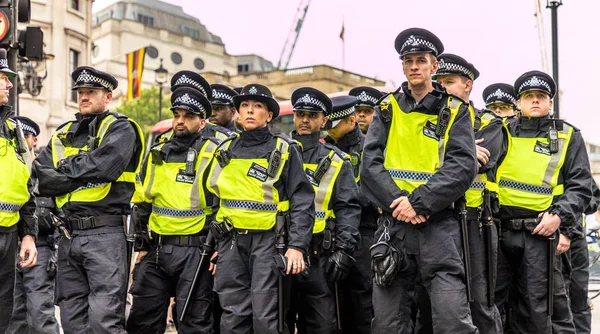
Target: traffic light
[(12, 11)]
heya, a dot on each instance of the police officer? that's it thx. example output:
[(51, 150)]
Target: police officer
[(17, 204), (457, 75), (223, 111), (264, 196), (419, 158), (543, 188), (176, 210), (500, 98), (91, 166), (355, 291), (367, 99), (33, 310), (335, 233)]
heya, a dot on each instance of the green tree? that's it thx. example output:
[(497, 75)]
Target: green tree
[(144, 109)]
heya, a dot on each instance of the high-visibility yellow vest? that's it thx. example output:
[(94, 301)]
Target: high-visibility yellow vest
[(413, 151), (93, 192), (13, 183), (247, 193), (324, 189), (529, 175), (178, 202)]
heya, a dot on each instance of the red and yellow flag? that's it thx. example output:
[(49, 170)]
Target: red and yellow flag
[(135, 68)]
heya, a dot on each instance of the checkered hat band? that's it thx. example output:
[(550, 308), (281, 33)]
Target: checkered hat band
[(334, 116), (9, 207), (4, 62), (86, 77), (28, 128), (525, 187), (409, 175), (416, 41), (187, 99), (499, 94), (477, 186), (446, 67), (170, 212), (312, 101), (184, 80), (364, 97), (534, 82), (218, 95), (247, 205)]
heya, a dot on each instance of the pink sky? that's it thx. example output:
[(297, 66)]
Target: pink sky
[(499, 37)]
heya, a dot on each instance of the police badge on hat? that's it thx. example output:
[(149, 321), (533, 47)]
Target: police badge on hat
[(311, 99), (343, 106), (499, 93), (453, 64), (89, 77), (535, 80), (418, 40), (191, 100), (192, 80), (222, 95), (367, 96)]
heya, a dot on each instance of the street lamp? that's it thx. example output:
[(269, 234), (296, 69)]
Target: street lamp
[(161, 78), (553, 5)]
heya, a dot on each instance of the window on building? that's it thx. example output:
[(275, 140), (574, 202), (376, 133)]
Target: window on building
[(176, 58), (243, 68), (145, 20), (75, 4), (193, 33), (73, 64)]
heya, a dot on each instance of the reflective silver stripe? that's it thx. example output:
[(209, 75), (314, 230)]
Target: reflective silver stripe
[(554, 160), (170, 212), (217, 169), (204, 158), (326, 181), (526, 187), (10, 207), (247, 205), (148, 190), (409, 175), (106, 122), (267, 186)]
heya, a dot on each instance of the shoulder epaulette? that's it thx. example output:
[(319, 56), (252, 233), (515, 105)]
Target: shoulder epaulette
[(337, 151), (385, 110), (287, 138), (576, 129)]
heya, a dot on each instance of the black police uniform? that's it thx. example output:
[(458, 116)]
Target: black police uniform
[(523, 258), (168, 268), (27, 224), (430, 252), (33, 310), (91, 279), (245, 280), (223, 95), (312, 299), (356, 291)]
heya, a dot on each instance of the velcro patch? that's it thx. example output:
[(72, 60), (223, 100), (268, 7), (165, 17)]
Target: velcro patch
[(429, 131), (542, 148), (183, 177), (258, 172), (310, 174)]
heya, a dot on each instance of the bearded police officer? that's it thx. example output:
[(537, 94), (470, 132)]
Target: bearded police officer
[(335, 233), (457, 75), (367, 98), (544, 186), (223, 110), (176, 213), (500, 98), (419, 158), (91, 166), (17, 204), (33, 310)]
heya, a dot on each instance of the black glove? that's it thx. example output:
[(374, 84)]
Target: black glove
[(51, 266), (386, 261), (338, 266)]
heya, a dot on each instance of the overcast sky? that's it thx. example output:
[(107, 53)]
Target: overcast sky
[(499, 37)]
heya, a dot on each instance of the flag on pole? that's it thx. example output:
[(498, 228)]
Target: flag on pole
[(342, 32), (135, 68)]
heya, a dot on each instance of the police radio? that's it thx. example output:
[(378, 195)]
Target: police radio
[(553, 138), (274, 162), (190, 162), (443, 121), (321, 169)]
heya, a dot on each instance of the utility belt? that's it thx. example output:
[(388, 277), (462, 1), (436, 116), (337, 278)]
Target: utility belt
[(474, 214), (45, 241), (190, 240), (222, 230), (86, 223), (520, 224)]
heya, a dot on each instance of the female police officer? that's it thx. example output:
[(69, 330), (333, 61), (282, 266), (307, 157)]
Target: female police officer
[(260, 180)]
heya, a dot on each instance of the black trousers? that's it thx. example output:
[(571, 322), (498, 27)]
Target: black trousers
[(522, 284), (171, 274), (576, 273), (8, 251), (433, 255)]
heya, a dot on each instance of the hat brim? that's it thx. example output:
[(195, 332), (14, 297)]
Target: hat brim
[(91, 86), (535, 89), (499, 101), (186, 108), (417, 51), (272, 105), (331, 124), (8, 72), (365, 104)]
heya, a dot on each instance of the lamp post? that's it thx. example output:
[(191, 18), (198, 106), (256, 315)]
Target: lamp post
[(161, 78), (553, 5)]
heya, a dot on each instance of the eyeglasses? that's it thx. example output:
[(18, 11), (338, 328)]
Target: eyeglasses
[(500, 106)]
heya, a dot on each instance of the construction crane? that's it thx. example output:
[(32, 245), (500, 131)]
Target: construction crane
[(292, 38)]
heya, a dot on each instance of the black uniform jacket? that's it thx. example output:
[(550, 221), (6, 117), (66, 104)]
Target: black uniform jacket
[(344, 199), (448, 184)]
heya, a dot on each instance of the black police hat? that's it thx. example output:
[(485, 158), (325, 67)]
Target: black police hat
[(27, 125), (193, 80), (535, 80), (4, 65), (222, 94), (191, 100), (499, 93), (418, 40), (311, 99), (258, 93), (89, 77), (452, 64), (343, 106), (367, 96), (238, 90)]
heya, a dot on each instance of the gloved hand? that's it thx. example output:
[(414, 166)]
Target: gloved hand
[(338, 266), (386, 262), (51, 266)]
